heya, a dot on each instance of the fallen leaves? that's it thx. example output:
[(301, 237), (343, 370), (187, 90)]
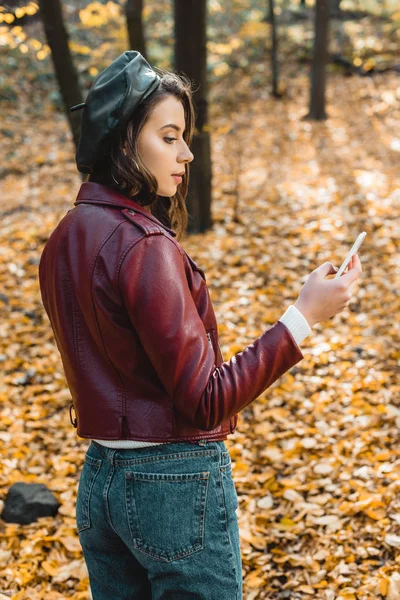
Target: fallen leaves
[(316, 460)]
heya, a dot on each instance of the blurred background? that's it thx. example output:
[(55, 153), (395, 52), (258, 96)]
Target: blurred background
[(297, 151)]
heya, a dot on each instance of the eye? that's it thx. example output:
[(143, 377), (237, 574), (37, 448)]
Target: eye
[(169, 140)]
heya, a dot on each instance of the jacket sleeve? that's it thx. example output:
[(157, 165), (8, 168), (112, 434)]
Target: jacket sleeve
[(156, 294)]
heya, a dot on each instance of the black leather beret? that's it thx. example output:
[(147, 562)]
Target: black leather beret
[(112, 99)]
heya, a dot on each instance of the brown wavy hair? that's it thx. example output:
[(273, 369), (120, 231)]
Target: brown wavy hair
[(125, 171)]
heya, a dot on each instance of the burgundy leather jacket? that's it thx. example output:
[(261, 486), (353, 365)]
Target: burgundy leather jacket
[(137, 333)]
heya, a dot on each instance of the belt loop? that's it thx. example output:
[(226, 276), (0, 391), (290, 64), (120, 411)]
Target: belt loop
[(110, 453)]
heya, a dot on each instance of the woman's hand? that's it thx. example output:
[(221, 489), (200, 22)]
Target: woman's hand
[(321, 298)]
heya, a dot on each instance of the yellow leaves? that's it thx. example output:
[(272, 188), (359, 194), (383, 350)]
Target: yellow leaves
[(370, 504), (30, 9), (17, 31), (348, 594), (255, 580), (219, 48), (20, 11), (78, 48), (26, 573), (235, 349), (376, 515), (388, 585), (286, 523), (257, 542), (306, 589), (383, 586), (6, 18), (241, 468), (50, 567), (61, 572), (71, 543), (36, 45), (221, 69), (97, 14), (43, 53), (254, 30), (383, 456)]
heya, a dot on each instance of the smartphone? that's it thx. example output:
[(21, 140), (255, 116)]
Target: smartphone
[(352, 252)]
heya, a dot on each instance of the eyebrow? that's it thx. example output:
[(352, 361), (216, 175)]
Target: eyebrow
[(170, 125)]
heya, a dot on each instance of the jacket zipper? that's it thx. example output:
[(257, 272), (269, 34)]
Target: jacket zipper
[(74, 422)]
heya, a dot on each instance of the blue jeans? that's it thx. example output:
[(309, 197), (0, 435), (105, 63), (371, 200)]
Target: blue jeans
[(160, 523)]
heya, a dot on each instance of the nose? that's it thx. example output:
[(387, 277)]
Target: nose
[(187, 156)]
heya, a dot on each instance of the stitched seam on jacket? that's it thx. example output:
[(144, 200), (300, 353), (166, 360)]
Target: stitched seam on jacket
[(143, 222), (160, 232), (70, 284), (105, 240), (129, 248)]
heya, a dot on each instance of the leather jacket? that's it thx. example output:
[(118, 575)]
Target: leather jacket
[(136, 330)]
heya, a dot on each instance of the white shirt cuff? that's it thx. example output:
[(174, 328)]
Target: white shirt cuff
[(297, 324)]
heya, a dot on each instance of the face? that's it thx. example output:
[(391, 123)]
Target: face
[(161, 145)]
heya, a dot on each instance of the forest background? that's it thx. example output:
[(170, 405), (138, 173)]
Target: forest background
[(316, 459)]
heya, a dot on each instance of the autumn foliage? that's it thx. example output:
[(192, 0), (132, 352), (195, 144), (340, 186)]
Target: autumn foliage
[(316, 459)]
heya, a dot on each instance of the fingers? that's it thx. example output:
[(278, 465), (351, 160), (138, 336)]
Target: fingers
[(357, 262), (354, 272), (326, 269)]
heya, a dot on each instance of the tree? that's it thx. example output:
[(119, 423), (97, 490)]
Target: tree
[(191, 59), (67, 77), (319, 60), (134, 20), (274, 50)]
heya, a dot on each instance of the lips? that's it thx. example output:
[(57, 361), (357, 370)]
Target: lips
[(177, 178)]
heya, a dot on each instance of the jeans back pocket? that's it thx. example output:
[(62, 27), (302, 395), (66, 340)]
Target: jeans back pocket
[(91, 467), (166, 512)]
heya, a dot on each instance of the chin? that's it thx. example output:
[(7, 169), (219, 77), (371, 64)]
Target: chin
[(169, 193)]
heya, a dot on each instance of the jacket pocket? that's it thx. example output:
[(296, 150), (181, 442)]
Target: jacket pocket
[(90, 470), (166, 512)]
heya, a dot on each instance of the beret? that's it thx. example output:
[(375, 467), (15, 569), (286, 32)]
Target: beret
[(112, 99)]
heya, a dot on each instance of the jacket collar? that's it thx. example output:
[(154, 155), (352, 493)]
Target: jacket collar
[(97, 193)]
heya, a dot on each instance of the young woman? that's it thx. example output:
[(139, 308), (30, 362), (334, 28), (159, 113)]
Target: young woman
[(138, 338)]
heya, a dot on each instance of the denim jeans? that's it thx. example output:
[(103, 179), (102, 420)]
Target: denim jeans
[(160, 522)]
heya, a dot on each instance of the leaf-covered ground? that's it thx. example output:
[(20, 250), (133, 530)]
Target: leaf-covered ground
[(316, 458)]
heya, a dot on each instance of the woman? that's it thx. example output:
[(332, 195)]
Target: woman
[(137, 334)]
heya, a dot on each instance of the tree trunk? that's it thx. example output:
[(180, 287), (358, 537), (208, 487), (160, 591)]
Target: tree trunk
[(134, 22), (191, 60), (320, 56), (67, 77), (274, 50)]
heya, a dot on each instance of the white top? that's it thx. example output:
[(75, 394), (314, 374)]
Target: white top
[(298, 326)]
